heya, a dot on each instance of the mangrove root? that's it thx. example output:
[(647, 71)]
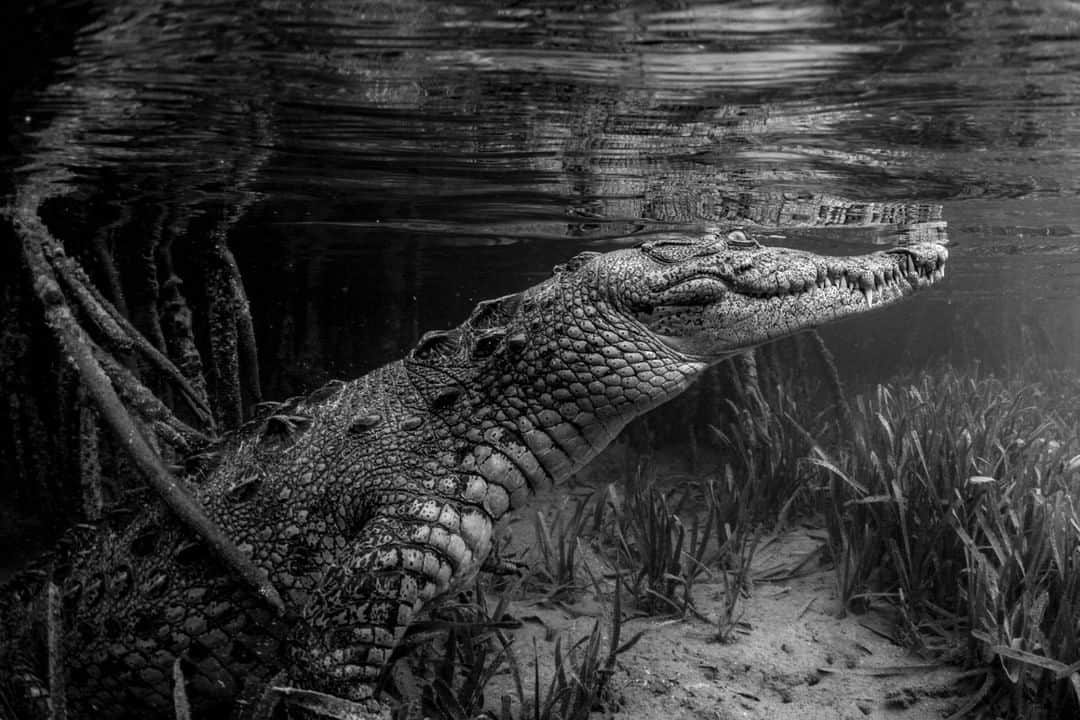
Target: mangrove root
[(119, 332), (78, 349)]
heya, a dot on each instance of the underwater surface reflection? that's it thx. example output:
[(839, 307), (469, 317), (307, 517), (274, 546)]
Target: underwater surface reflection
[(397, 161)]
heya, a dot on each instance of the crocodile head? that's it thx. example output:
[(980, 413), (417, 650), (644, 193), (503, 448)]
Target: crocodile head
[(713, 296), (542, 380)]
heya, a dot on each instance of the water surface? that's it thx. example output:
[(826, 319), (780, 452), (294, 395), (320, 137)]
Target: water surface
[(380, 166)]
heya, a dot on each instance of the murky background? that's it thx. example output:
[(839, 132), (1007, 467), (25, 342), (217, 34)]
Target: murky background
[(378, 167)]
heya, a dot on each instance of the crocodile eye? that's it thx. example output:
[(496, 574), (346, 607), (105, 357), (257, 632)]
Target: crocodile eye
[(669, 250), (739, 239)]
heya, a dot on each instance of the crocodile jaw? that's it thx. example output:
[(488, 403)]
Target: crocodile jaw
[(784, 292)]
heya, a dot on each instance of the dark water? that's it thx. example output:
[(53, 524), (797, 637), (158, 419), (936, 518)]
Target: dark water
[(380, 166)]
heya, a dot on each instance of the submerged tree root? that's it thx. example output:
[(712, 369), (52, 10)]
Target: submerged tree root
[(224, 357), (120, 333), (37, 246), (175, 314), (233, 332), (139, 398), (55, 639), (93, 501), (245, 329)]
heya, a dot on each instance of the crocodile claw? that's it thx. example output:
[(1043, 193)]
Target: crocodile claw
[(310, 704), (323, 705)]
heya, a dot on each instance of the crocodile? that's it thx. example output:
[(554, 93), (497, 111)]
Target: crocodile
[(368, 500)]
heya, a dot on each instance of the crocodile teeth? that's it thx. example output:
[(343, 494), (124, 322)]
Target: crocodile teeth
[(869, 295), (909, 265), (937, 275)]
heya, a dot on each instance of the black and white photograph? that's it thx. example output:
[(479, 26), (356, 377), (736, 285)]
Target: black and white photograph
[(540, 360)]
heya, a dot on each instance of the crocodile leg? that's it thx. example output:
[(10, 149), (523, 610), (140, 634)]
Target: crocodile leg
[(413, 551)]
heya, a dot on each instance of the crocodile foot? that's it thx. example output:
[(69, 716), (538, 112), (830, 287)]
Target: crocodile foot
[(308, 704), (503, 566)]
